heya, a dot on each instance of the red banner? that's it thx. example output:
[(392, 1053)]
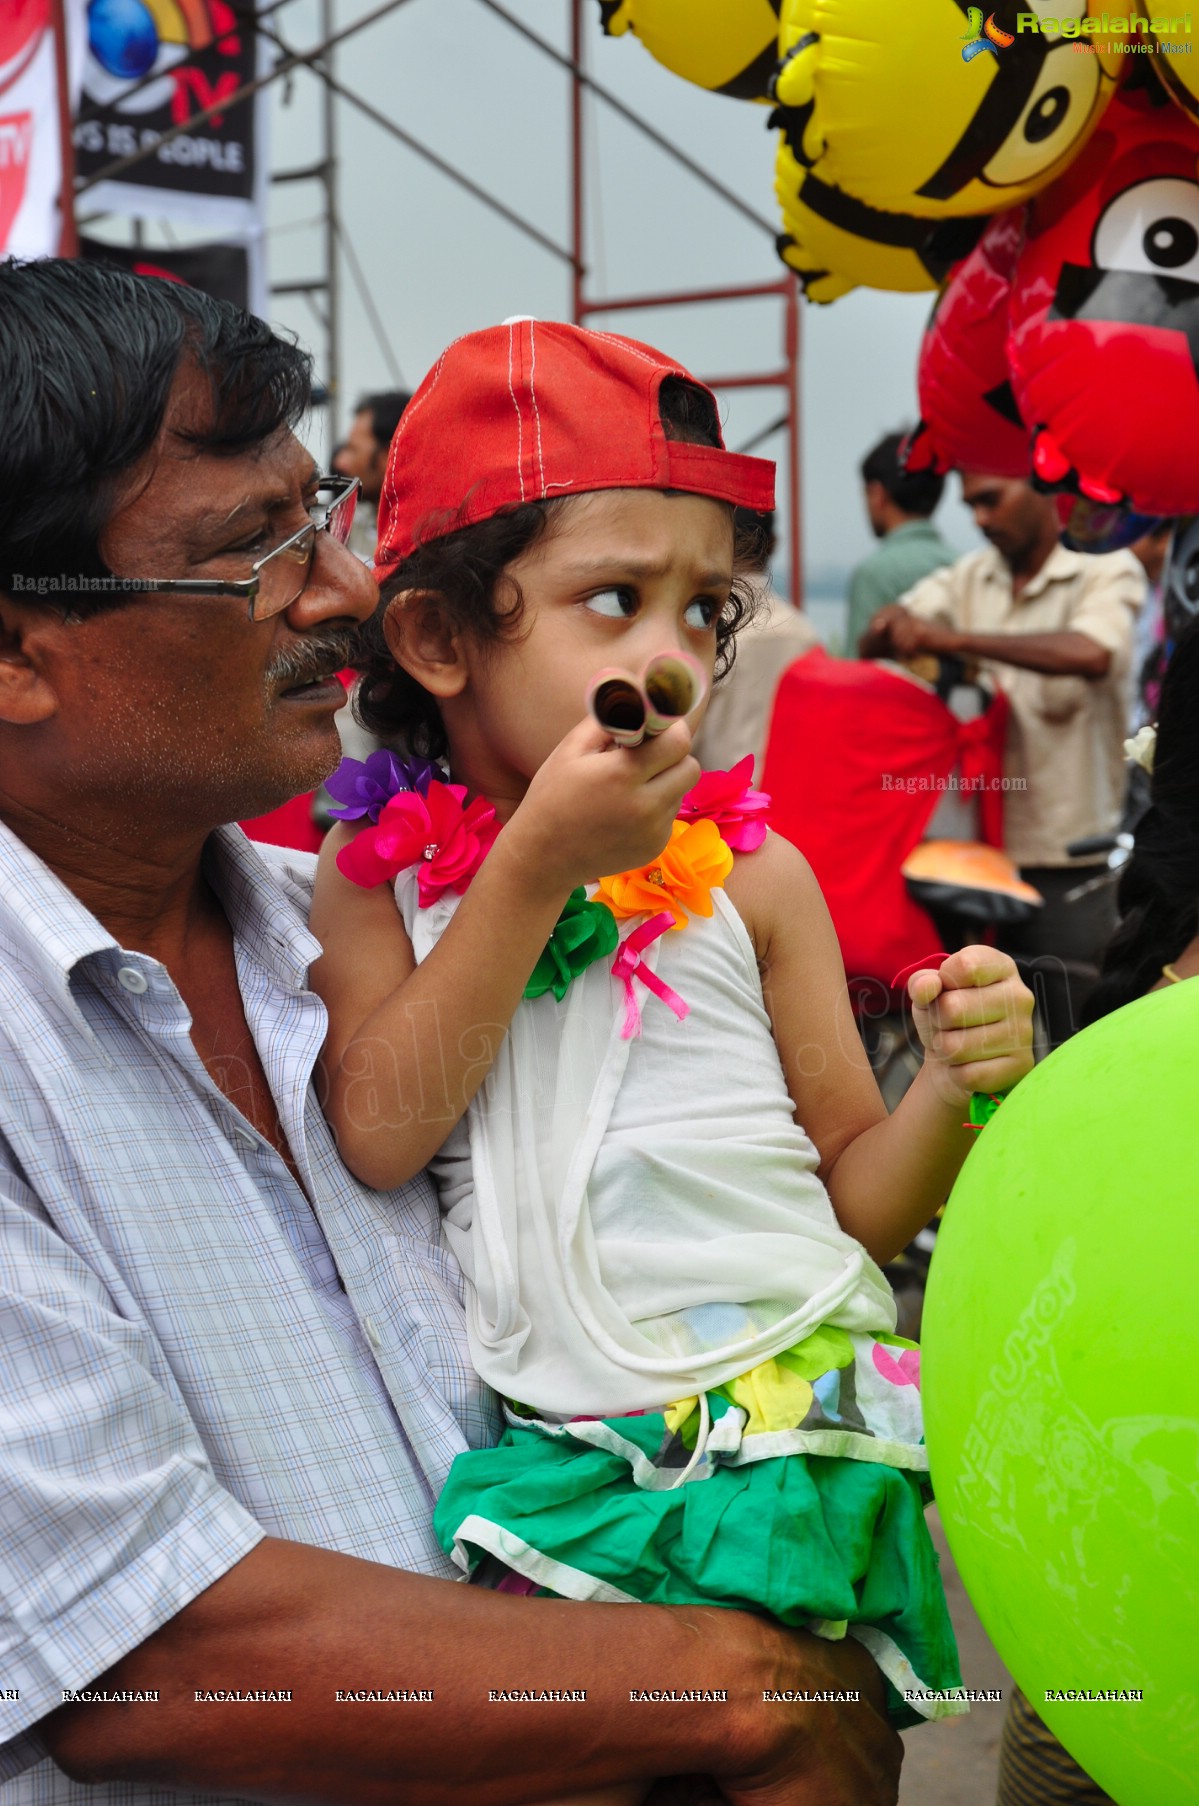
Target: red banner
[(30, 130)]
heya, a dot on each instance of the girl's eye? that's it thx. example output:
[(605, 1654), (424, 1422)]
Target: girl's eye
[(701, 613), (616, 604)]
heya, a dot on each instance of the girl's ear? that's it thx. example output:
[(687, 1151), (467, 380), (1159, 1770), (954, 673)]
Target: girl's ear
[(423, 640)]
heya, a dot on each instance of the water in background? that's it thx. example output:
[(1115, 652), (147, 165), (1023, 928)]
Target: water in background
[(824, 604), (827, 614)]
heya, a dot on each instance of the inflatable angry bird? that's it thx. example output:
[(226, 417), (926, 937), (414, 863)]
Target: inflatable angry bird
[(1104, 342), (932, 108), (968, 414), (727, 46)]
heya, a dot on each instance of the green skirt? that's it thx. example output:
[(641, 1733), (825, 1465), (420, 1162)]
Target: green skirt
[(696, 1504)]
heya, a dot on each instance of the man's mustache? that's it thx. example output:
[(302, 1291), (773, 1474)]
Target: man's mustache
[(1129, 298), (317, 655)]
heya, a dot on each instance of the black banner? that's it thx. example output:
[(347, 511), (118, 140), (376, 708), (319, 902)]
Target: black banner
[(220, 270), (156, 64)]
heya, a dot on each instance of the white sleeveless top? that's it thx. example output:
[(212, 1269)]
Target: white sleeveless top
[(640, 1220)]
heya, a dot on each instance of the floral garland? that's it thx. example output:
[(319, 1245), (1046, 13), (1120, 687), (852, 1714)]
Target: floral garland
[(418, 819)]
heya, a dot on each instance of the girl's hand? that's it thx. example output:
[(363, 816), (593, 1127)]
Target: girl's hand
[(594, 808), (974, 1019)]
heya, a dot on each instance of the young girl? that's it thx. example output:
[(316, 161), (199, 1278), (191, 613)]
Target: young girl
[(610, 1011)]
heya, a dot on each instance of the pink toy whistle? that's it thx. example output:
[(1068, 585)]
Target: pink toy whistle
[(674, 684), (631, 710), (619, 704)]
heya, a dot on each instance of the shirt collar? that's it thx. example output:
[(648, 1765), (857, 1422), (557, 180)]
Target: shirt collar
[(267, 908), (44, 923), (914, 529), (1062, 565), (50, 930)]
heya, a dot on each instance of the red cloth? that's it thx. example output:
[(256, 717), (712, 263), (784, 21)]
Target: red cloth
[(840, 729), (291, 825)]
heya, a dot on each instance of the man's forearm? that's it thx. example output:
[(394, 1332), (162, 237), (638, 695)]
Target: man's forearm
[(1054, 654), (875, 641), (314, 1622)]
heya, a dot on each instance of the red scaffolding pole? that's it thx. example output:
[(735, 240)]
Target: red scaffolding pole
[(786, 288), (583, 305), (68, 241)]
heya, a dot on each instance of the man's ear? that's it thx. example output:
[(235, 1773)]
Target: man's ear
[(26, 696), (423, 639)]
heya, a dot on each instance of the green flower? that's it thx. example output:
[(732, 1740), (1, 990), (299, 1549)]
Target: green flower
[(583, 933), (983, 1105)]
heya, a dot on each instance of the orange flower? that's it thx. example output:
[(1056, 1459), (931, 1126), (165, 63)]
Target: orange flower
[(681, 879)]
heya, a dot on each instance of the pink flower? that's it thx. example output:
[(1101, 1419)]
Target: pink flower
[(726, 798), (448, 841)]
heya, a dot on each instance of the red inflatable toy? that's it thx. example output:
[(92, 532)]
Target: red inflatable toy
[(1104, 345), (857, 757), (968, 414)]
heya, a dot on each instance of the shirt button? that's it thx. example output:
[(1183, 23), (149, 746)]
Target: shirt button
[(133, 980), (243, 1137), (372, 1332)]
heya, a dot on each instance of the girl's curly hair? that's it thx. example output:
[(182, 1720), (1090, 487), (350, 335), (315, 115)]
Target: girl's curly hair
[(464, 568)]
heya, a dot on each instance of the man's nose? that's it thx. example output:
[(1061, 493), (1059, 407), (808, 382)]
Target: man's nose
[(339, 588)]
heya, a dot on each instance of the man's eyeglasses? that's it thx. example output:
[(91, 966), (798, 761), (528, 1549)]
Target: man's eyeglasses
[(275, 581)]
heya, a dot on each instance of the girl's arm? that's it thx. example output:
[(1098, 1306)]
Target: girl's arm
[(886, 1175), (408, 1046)]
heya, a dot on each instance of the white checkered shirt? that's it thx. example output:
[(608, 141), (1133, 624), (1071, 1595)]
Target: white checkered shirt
[(192, 1356)]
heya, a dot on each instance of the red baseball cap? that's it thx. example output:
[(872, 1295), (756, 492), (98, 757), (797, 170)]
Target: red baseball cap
[(535, 409)]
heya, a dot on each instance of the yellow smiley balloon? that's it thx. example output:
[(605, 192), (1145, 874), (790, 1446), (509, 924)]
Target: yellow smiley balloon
[(935, 107), (1180, 78), (727, 46), (835, 242), (1174, 59)]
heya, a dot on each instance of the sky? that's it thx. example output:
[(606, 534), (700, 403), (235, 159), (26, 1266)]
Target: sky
[(438, 263)]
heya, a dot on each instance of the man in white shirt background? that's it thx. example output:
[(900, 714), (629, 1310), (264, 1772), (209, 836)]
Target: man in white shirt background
[(1053, 629)]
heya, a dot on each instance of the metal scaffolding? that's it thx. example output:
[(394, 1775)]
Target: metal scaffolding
[(323, 289), (785, 376)]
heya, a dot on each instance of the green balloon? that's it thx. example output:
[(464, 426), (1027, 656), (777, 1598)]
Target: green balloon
[(1060, 1374)]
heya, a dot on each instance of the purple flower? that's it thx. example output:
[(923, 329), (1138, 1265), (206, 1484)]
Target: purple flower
[(363, 787)]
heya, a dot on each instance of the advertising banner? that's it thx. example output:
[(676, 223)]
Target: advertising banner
[(157, 66), (30, 130), (231, 272)]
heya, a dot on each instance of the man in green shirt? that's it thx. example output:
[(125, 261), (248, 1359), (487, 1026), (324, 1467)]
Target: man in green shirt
[(899, 504)]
